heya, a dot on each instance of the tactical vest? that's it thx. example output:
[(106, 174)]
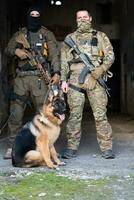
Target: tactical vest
[(88, 44), (38, 44)]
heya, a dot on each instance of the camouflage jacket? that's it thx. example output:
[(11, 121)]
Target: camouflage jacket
[(100, 54), (53, 51)]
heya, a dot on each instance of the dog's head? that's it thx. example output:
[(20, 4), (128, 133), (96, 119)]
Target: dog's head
[(59, 108), (54, 107)]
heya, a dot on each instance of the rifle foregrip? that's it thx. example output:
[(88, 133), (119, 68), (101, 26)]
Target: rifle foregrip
[(83, 74)]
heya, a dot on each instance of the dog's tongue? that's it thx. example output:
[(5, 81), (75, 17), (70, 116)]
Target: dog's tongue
[(62, 117)]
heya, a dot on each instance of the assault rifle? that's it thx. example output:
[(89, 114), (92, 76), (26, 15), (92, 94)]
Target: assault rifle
[(88, 68), (35, 57)]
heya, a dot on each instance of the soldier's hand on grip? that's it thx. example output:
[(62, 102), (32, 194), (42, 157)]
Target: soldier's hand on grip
[(98, 71), (55, 79), (91, 83), (21, 53)]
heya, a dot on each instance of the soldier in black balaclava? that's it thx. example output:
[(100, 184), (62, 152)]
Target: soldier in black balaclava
[(29, 80), (34, 19)]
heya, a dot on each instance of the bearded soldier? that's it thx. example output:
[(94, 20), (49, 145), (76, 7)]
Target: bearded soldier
[(29, 81), (97, 47)]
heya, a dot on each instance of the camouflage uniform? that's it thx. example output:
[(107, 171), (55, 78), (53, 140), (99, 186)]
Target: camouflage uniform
[(100, 54), (29, 82)]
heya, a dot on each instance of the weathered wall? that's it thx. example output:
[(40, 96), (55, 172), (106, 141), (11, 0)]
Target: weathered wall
[(64, 16), (4, 34)]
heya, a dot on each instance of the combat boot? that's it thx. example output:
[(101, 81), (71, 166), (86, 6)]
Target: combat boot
[(8, 154), (69, 153), (108, 154)]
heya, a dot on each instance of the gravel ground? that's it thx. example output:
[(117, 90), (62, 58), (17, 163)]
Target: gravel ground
[(89, 164)]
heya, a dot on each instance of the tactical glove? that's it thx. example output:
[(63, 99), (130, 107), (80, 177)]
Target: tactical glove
[(98, 71), (91, 83), (55, 79), (21, 54)]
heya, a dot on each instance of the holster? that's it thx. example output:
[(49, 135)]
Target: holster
[(15, 96)]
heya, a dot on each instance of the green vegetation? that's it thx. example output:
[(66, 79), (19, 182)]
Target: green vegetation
[(49, 186)]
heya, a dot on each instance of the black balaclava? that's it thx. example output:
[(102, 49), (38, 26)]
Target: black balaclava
[(33, 23)]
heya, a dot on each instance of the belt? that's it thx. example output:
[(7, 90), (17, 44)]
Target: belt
[(23, 70), (28, 73), (77, 88)]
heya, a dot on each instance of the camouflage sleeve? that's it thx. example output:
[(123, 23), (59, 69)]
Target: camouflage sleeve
[(12, 45), (107, 49), (64, 62), (54, 54)]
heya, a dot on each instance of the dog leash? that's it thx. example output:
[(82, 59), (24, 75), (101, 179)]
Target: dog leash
[(5, 123), (47, 94)]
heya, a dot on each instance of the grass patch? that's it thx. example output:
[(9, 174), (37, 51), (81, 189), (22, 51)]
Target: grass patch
[(49, 186)]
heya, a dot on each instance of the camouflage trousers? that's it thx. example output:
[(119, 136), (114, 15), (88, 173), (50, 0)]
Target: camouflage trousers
[(25, 86), (98, 101)]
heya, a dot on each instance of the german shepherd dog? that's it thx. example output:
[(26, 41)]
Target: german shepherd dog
[(34, 143)]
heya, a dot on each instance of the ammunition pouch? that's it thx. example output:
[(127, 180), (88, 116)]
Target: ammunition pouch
[(77, 66)]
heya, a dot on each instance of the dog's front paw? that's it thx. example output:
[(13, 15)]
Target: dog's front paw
[(51, 165), (55, 166), (61, 163)]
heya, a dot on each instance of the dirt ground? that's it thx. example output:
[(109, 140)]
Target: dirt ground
[(89, 164)]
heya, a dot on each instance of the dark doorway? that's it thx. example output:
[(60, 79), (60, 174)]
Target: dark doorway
[(114, 82)]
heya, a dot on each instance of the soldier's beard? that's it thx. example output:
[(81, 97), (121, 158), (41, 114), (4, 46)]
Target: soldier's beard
[(83, 26)]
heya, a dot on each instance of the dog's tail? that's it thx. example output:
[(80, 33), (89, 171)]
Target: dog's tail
[(17, 160), (20, 162)]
